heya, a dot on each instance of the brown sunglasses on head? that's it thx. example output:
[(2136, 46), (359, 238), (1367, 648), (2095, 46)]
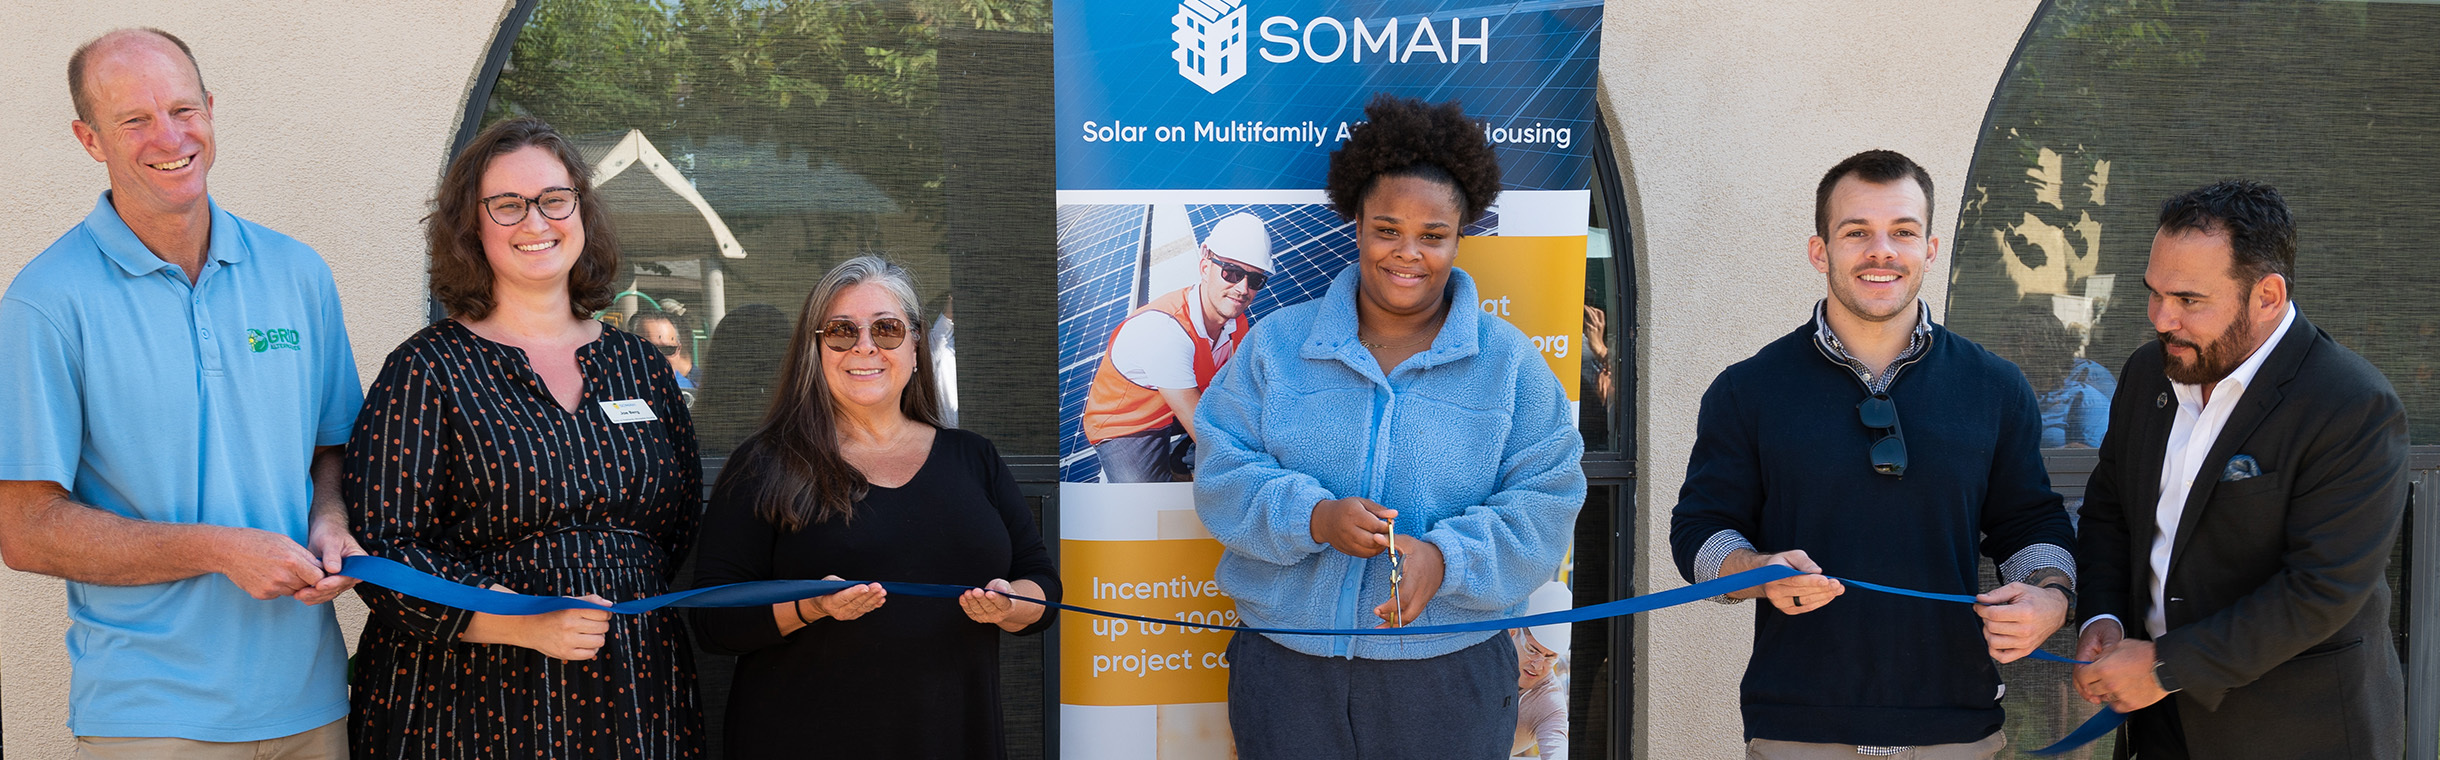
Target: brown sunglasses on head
[(842, 335)]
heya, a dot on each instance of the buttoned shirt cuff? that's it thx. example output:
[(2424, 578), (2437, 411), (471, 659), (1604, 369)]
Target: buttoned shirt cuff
[(2036, 557), (2122, 625), (1715, 551)]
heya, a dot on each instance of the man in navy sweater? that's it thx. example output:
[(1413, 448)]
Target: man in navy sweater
[(1873, 444)]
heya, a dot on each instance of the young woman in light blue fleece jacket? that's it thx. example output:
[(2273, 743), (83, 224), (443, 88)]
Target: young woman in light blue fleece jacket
[(1389, 397)]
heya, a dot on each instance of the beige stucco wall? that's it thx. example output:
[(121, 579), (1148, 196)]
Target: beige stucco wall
[(1725, 116), (332, 121)]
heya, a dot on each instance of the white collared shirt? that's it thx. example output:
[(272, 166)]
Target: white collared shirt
[(2197, 427)]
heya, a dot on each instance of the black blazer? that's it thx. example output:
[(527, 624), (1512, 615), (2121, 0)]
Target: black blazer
[(2278, 611)]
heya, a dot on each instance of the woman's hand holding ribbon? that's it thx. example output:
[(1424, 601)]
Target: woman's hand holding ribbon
[(851, 603), (990, 604), (1355, 526), (573, 635), (1422, 570), (1795, 595)]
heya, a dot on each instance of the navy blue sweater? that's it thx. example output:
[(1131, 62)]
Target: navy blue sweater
[(1782, 457)]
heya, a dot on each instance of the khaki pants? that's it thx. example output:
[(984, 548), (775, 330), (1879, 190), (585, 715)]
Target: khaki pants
[(326, 743), (1768, 749)]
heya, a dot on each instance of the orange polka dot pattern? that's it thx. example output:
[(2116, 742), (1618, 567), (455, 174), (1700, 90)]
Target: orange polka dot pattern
[(463, 466)]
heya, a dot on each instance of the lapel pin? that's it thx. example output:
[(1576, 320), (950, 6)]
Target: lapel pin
[(2161, 402)]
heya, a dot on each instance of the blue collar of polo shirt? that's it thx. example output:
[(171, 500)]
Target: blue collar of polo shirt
[(1334, 327), (119, 242)]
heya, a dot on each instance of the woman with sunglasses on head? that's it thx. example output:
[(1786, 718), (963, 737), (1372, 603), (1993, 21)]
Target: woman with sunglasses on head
[(521, 446), (1387, 454), (852, 475)]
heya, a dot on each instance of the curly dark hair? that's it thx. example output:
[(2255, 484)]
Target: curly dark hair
[(461, 275), (1407, 137)]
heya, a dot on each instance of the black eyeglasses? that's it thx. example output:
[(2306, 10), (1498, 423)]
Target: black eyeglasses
[(508, 209), (1889, 450), (1233, 274), (841, 335)]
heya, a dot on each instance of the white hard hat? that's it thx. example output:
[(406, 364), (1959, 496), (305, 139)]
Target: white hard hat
[(1241, 238)]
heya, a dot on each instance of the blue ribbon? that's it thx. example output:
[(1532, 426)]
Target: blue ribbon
[(2038, 654), (406, 580), (2100, 725)]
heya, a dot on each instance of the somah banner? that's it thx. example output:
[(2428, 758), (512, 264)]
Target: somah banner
[(1192, 144)]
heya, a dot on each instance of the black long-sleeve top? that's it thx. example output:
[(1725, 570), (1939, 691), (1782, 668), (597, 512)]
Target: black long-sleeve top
[(1781, 456), (914, 678)]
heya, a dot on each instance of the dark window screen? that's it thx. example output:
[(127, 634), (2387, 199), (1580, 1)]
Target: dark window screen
[(2113, 107)]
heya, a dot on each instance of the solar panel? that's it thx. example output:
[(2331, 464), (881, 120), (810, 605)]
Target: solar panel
[(1101, 258)]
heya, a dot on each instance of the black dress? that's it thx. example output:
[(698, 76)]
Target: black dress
[(914, 678), (463, 466)]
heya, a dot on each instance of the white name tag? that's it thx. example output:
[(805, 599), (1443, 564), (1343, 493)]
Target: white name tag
[(630, 410)]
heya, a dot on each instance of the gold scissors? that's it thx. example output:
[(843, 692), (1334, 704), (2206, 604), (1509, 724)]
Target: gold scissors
[(1397, 577)]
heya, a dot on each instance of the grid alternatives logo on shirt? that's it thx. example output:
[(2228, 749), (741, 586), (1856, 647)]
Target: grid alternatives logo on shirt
[(266, 339), (1211, 42)]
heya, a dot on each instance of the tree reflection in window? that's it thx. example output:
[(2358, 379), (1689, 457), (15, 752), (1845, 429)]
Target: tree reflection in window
[(2115, 105)]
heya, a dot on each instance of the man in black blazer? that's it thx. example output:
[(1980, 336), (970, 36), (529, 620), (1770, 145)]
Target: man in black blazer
[(2236, 531)]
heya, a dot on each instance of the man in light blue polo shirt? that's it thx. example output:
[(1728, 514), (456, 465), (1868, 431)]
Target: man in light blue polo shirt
[(175, 390)]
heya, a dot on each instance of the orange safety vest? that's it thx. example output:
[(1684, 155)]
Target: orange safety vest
[(1117, 406)]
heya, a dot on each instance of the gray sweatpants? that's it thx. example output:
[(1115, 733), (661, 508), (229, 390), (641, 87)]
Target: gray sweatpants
[(1286, 704)]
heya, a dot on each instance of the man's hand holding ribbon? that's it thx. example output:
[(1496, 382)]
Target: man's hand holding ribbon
[(2018, 617), (2122, 671), (1795, 595)]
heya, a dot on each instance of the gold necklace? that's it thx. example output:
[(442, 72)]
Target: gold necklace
[(1391, 346)]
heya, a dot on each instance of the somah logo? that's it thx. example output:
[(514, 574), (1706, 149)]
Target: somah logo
[(1211, 42), (1211, 37)]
